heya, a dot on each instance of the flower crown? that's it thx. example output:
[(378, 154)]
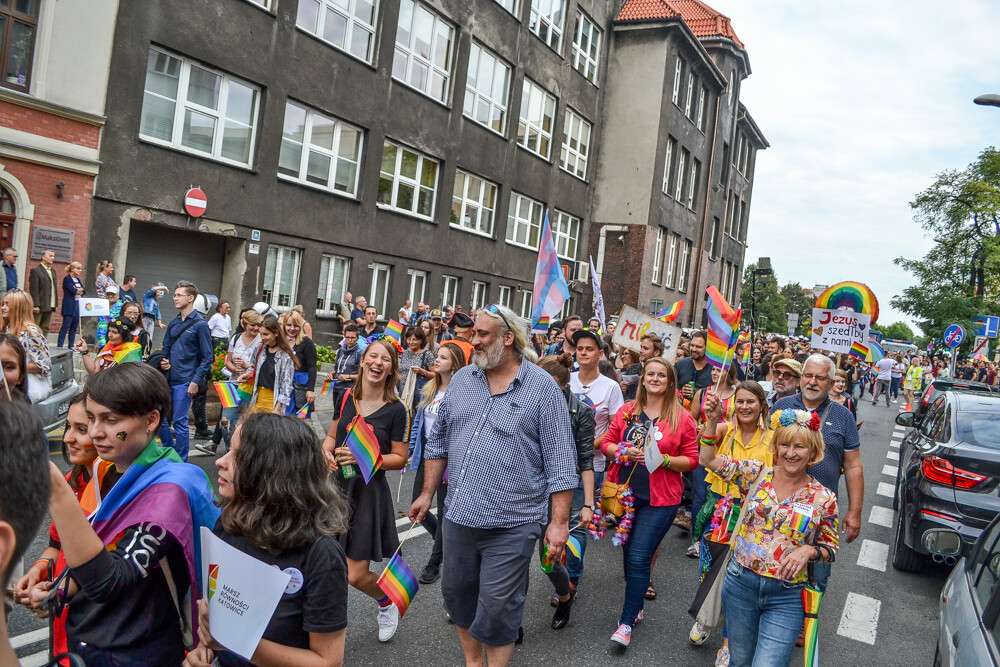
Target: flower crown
[(805, 418), (384, 336)]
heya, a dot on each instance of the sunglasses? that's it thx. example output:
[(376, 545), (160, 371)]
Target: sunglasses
[(494, 309), (783, 375)]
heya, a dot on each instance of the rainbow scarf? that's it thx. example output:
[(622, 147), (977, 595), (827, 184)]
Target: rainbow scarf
[(157, 488), (398, 583), (119, 354), (395, 331), (364, 447), (723, 324)]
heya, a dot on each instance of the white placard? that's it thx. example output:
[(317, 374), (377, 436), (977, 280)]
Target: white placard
[(94, 307), (654, 457), (835, 330), (633, 325), (242, 593)]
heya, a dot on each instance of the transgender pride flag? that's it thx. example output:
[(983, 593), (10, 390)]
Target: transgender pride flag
[(551, 290)]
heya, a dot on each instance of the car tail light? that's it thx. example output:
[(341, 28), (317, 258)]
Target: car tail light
[(941, 471), (927, 398), (946, 517)]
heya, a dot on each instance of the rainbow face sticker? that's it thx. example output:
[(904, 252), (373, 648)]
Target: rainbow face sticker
[(121, 435)]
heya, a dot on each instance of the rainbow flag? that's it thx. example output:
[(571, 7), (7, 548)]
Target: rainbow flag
[(859, 350), (573, 546), (398, 583), (303, 413), (395, 331), (811, 599), (126, 352), (364, 447), (802, 345), (327, 387), (228, 395), (745, 361), (670, 313), (550, 290), (723, 325)]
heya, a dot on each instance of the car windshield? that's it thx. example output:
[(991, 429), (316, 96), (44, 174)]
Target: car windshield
[(980, 428)]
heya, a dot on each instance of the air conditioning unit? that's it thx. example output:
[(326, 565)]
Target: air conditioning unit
[(583, 271)]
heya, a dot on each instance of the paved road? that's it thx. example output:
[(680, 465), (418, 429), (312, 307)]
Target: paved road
[(871, 613)]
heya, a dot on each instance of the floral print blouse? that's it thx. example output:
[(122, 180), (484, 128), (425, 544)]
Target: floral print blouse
[(36, 347), (772, 527)]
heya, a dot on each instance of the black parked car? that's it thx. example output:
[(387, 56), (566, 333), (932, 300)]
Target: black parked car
[(948, 476), (940, 385)]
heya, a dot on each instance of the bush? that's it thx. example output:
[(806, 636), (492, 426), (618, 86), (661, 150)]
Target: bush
[(325, 355), (218, 365)]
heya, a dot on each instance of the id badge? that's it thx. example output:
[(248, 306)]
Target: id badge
[(800, 517)]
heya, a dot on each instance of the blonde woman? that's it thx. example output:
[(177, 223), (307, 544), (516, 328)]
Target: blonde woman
[(272, 371), (72, 291), (304, 349), (104, 279), (18, 320)]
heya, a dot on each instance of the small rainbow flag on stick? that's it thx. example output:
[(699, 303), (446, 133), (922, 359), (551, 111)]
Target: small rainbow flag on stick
[(723, 325), (364, 447), (398, 583), (859, 350), (227, 394), (670, 313), (745, 361), (573, 546), (394, 330), (327, 387), (303, 412)]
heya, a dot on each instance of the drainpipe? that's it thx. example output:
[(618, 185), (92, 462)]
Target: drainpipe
[(696, 283), (601, 243)]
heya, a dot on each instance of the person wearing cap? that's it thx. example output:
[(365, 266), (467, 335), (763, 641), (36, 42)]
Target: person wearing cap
[(440, 330), (571, 325), (460, 324), (785, 374), (118, 332), (114, 310)]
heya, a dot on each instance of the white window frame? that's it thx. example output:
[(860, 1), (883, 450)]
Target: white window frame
[(412, 277), (681, 166), (736, 155), (182, 105), (515, 221), (732, 87), (526, 305), (429, 61), (377, 269), (417, 186), (505, 296), (531, 95), (577, 132), (449, 297), (675, 97), (326, 295), (714, 237), (658, 256), (306, 148), (537, 19), (275, 297), (265, 4), (700, 123), (353, 23), (682, 267), (512, 6), (693, 182), (469, 200), (496, 101), (730, 206), (667, 163), (668, 280), (586, 61), (480, 291), (566, 232), (688, 99), (734, 283)]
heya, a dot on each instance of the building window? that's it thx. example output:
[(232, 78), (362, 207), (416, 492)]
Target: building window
[(655, 306), (423, 50), (658, 256), (701, 108), (18, 21), (380, 288), (565, 234), (678, 69), (348, 25), (682, 268), (586, 46), (190, 107), (266, 4), (547, 21), (668, 161), (745, 157), (473, 204), (486, 89), (333, 274), (524, 222), (417, 287), (538, 110), (732, 88), (281, 276), (724, 171), (739, 150), (526, 305), (668, 280), (681, 163), (689, 98), (733, 282), (504, 298), (408, 181), (576, 145), (510, 5), (714, 241), (693, 182), (449, 291), (319, 150), (479, 292), (742, 223)]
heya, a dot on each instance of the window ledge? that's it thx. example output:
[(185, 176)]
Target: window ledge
[(405, 213), (267, 10), (196, 154), (417, 90), (313, 186), (489, 129), (522, 246), (565, 170), (471, 231), (337, 48), (533, 153)]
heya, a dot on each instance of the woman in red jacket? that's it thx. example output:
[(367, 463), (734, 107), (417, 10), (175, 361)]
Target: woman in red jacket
[(658, 417)]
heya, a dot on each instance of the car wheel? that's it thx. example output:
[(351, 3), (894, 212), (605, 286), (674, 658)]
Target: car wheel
[(904, 558)]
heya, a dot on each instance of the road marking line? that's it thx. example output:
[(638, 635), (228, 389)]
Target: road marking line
[(860, 618), (900, 429), (36, 659), (895, 443), (890, 470), (885, 489), (873, 555), (881, 516), (29, 638), (892, 455), (406, 520)]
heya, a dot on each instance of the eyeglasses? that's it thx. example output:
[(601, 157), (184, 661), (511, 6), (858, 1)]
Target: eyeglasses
[(815, 378)]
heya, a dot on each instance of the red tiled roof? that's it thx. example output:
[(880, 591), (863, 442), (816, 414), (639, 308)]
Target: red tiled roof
[(699, 17)]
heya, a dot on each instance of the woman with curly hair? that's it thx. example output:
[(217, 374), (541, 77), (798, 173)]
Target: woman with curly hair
[(280, 506), (371, 405), (790, 521)]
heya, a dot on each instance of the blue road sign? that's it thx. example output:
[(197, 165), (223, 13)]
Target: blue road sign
[(986, 325), (954, 335)]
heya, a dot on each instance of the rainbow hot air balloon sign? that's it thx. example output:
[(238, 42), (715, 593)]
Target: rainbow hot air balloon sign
[(850, 295)]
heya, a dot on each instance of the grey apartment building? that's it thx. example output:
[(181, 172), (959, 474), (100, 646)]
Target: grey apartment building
[(411, 149)]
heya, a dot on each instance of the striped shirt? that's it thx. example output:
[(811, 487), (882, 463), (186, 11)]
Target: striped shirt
[(506, 453)]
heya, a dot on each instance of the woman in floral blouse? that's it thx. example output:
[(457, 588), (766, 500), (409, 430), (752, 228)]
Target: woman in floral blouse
[(16, 319), (791, 521)]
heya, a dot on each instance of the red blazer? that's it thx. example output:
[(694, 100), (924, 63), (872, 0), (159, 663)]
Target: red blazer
[(665, 486)]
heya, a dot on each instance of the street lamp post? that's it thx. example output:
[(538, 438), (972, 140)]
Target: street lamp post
[(764, 271)]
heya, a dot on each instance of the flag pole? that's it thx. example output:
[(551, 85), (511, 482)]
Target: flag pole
[(412, 526)]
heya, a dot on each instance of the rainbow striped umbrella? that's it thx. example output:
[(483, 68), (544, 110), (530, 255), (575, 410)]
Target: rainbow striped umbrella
[(875, 352), (811, 598)]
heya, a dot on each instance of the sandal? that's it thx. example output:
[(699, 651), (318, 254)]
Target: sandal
[(651, 593)]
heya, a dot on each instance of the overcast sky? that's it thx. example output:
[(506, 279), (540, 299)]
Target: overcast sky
[(863, 103)]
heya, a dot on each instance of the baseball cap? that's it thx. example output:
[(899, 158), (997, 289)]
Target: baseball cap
[(790, 364), (461, 321), (436, 313), (587, 333), (111, 288)]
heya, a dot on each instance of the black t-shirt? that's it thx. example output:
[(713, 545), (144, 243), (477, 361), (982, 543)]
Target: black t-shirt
[(388, 422), (640, 477), (266, 377), (315, 599), (686, 372)]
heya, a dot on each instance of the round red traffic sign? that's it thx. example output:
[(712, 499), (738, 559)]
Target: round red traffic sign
[(195, 202)]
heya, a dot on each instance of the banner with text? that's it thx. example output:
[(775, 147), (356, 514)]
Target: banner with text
[(94, 307), (837, 330), (633, 325)]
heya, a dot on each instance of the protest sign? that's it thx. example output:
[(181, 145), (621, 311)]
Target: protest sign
[(633, 325), (836, 330), (242, 593), (94, 307)]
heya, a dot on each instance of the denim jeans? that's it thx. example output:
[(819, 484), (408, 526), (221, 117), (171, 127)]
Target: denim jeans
[(181, 435), (573, 564), (69, 325), (699, 490), (881, 386), (649, 527), (230, 415), (763, 616), (894, 386)]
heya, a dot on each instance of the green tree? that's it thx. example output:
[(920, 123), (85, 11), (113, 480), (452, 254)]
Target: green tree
[(798, 300), (898, 331), (766, 304)]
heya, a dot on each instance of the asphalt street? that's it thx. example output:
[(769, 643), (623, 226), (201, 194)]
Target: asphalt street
[(870, 615)]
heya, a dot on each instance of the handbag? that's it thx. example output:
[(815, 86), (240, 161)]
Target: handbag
[(610, 505), (408, 388), (39, 387)]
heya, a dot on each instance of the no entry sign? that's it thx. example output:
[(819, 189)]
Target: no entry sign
[(195, 202)]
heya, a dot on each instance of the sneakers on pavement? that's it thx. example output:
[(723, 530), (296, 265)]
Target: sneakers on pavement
[(561, 618), (623, 635), (206, 449), (430, 574), (388, 621), (699, 634), (693, 550), (722, 657)]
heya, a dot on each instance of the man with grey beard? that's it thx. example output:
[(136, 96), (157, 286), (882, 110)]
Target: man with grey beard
[(503, 431)]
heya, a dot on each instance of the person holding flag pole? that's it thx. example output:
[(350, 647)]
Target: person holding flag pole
[(550, 291)]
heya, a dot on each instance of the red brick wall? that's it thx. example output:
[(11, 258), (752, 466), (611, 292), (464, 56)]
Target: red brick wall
[(623, 263), (47, 125)]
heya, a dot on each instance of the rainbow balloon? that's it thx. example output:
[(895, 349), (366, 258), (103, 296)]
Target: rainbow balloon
[(851, 295)]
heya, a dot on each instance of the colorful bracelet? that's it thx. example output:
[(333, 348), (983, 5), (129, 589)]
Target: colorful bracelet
[(666, 462), (706, 441), (621, 456)]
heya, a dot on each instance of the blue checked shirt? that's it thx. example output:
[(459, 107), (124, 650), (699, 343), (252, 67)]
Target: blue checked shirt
[(506, 453)]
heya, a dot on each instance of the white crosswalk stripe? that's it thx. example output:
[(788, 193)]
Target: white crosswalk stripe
[(873, 555), (35, 659), (890, 470), (892, 455), (885, 489), (860, 618), (29, 638), (880, 516)]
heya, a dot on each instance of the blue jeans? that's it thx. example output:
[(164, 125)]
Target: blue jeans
[(699, 490), (894, 383), (182, 434), (763, 616), (69, 325), (231, 415), (649, 527), (574, 565)]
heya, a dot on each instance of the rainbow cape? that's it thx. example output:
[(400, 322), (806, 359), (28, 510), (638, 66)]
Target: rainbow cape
[(228, 396), (670, 313), (859, 350), (157, 488), (120, 353), (723, 325), (364, 447), (398, 583), (395, 331)]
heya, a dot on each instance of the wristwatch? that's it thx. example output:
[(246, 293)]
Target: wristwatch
[(590, 507)]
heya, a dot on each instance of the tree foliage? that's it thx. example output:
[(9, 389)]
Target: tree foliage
[(767, 305), (898, 331), (798, 300)]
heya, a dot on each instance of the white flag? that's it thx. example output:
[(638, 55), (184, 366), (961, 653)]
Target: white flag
[(654, 457), (94, 307), (595, 282)]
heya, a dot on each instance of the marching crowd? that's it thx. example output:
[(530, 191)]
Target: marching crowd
[(529, 448)]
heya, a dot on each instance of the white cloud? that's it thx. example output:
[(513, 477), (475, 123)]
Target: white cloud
[(863, 104)]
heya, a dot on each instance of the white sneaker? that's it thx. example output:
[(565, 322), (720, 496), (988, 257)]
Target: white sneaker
[(388, 621), (722, 657), (699, 634)]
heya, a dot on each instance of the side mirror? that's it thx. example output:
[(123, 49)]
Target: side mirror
[(943, 542), (905, 419)]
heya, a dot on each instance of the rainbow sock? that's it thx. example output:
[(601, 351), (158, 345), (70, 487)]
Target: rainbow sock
[(384, 602)]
